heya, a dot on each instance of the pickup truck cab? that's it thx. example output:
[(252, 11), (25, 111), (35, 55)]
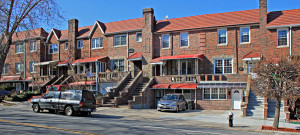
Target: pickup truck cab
[(69, 102)]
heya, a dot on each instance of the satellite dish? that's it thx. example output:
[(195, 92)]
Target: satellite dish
[(166, 17)]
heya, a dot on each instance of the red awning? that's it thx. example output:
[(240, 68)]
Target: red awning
[(83, 83), (62, 63), (175, 86), (252, 56), (174, 57), (88, 60), (136, 56)]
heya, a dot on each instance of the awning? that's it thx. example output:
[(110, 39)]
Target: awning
[(83, 83), (88, 60), (11, 79), (252, 56), (135, 57), (175, 86), (46, 63), (160, 60), (222, 85), (62, 63)]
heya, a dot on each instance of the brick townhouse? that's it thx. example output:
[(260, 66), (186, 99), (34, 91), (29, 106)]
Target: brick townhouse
[(207, 58)]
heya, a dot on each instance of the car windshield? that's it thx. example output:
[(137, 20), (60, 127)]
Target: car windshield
[(55, 88), (170, 97)]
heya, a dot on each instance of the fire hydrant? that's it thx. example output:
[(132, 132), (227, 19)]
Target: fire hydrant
[(230, 119)]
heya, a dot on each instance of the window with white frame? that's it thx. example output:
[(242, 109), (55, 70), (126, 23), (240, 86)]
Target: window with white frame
[(5, 69), (97, 43), (245, 34), (120, 40), (165, 39), (184, 39), (32, 67), (79, 44), (223, 66), (66, 45), (19, 68), (222, 36), (214, 93), (139, 37), (19, 47), (102, 67), (53, 48), (118, 65), (282, 37), (33, 46)]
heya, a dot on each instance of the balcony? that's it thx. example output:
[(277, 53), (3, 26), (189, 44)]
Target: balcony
[(103, 76), (201, 77), (45, 78)]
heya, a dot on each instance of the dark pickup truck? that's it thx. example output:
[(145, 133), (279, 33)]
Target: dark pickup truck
[(69, 101)]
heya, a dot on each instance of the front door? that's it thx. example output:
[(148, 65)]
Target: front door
[(236, 99), (137, 67)]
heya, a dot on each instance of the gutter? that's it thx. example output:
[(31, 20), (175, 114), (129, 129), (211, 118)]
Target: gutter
[(127, 51), (136, 30), (283, 26)]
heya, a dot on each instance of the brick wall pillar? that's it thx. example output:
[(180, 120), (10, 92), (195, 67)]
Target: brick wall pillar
[(265, 108)]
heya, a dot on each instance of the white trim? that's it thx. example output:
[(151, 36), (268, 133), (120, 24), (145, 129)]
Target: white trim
[(135, 59), (32, 66), (157, 63), (223, 64), (218, 37), (45, 63), (100, 43), (287, 37), (120, 40), (53, 50), (163, 41), (30, 46), (241, 35), (283, 26), (136, 37), (96, 23), (65, 45), (50, 34), (188, 38), (249, 59), (210, 93), (77, 44)]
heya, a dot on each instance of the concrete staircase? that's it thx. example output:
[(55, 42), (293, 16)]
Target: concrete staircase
[(59, 80), (272, 108), (137, 91), (256, 106)]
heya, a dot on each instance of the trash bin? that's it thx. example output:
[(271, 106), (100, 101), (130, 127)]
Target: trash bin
[(190, 105)]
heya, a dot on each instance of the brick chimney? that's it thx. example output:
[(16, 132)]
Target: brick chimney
[(263, 14), (72, 34)]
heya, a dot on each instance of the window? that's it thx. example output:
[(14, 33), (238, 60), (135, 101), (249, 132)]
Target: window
[(5, 69), (282, 37), (33, 46), (223, 66), (139, 37), (222, 36), (32, 67), (165, 40), (66, 45), (19, 48), (97, 43), (118, 65), (245, 34), (102, 67), (214, 93), (120, 40), (184, 39), (53, 48), (79, 44), (19, 68)]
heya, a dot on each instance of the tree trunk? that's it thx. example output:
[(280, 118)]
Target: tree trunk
[(277, 113)]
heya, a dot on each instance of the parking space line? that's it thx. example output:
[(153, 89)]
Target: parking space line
[(47, 127)]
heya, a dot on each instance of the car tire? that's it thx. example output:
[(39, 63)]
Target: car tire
[(51, 111), (36, 108), (69, 111)]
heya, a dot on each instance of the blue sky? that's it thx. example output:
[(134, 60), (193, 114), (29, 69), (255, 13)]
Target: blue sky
[(87, 11)]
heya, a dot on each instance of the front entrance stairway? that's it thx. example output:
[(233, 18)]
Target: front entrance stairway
[(256, 106), (137, 91)]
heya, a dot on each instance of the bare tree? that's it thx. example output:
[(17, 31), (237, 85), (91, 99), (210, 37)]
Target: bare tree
[(277, 80), (21, 15)]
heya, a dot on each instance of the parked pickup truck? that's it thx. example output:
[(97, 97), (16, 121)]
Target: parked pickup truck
[(69, 102)]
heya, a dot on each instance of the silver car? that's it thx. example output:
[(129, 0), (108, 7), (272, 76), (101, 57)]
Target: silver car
[(172, 102)]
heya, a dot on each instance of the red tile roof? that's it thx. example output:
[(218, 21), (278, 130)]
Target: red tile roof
[(136, 55), (189, 56), (282, 18), (209, 20), (10, 78), (39, 32), (124, 25), (252, 55), (83, 83), (175, 86), (62, 63), (93, 59)]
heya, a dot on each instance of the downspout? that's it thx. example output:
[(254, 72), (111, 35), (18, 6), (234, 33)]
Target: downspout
[(58, 51), (290, 40), (89, 47), (24, 67), (127, 51), (236, 50)]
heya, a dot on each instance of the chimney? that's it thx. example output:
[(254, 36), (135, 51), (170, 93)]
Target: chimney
[(263, 13), (72, 34), (148, 16)]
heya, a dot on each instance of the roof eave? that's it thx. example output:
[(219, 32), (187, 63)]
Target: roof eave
[(283, 26), (119, 32)]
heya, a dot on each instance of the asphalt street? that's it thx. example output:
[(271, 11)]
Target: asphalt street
[(20, 119)]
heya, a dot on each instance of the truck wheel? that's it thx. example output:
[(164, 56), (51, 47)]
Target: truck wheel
[(69, 111), (36, 108)]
